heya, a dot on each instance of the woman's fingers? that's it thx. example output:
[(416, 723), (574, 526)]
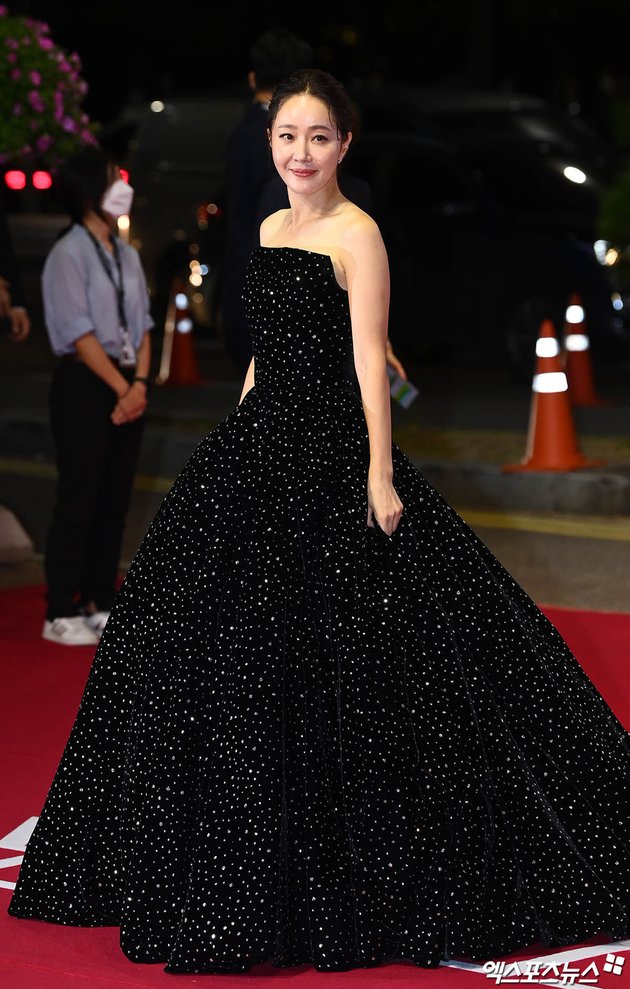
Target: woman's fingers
[(390, 522), (122, 414)]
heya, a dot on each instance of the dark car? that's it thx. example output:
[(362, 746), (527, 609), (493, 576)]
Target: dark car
[(488, 206), (174, 152)]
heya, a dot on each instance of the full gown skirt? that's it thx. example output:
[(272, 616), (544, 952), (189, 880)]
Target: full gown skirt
[(303, 741)]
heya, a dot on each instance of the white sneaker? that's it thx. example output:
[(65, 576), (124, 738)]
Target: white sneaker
[(96, 621), (71, 631)]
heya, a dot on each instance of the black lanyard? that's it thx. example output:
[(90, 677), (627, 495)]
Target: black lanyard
[(119, 287)]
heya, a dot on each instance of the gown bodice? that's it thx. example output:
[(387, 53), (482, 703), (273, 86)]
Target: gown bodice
[(299, 319)]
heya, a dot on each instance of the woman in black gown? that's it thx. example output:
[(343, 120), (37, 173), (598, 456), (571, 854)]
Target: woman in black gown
[(323, 724)]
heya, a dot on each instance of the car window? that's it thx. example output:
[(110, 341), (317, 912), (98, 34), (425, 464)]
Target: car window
[(540, 128), (185, 137), (525, 184)]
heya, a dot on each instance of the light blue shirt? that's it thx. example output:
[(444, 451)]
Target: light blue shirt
[(79, 297)]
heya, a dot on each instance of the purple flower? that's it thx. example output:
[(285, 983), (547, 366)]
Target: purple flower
[(43, 143), (47, 90), (37, 104)]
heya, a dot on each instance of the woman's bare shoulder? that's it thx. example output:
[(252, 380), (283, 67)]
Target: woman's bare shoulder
[(271, 225), (358, 228), (357, 222)]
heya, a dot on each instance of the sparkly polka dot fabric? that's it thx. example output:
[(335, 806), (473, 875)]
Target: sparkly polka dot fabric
[(302, 741)]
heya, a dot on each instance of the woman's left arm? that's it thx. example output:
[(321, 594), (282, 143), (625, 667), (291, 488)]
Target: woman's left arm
[(144, 356), (367, 272), (132, 405)]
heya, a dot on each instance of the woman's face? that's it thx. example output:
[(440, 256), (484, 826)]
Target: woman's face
[(305, 144)]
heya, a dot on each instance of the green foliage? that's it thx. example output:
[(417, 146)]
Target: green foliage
[(41, 95)]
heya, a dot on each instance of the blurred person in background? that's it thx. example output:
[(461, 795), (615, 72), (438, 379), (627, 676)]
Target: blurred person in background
[(96, 309), (275, 54), (12, 308)]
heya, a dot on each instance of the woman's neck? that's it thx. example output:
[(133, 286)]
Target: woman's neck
[(305, 209), (97, 226)]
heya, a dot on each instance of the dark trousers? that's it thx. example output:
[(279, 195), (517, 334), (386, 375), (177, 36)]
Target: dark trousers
[(96, 464)]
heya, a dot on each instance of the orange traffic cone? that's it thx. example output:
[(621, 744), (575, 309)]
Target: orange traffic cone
[(178, 363), (551, 440), (578, 356)]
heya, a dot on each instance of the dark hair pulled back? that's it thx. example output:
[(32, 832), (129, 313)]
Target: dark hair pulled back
[(324, 87), (83, 179)]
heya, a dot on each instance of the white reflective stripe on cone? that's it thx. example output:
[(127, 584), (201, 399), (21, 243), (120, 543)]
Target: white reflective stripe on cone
[(547, 347), (184, 325), (575, 314), (550, 381), (181, 300), (576, 341)]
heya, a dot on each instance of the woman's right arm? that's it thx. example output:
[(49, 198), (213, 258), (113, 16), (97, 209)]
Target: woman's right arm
[(92, 354), (249, 381)]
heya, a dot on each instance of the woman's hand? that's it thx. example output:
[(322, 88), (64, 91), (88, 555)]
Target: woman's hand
[(5, 297), (384, 505), (131, 405), (20, 324), (393, 361)]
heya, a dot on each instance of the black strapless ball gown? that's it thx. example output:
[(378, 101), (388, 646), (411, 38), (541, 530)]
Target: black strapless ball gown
[(302, 741)]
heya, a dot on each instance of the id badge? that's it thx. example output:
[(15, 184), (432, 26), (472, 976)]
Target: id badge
[(127, 353)]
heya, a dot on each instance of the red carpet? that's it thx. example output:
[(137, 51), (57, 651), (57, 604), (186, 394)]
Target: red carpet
[(41, 688)]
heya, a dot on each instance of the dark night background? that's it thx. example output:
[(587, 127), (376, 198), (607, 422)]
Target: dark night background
[(570, 52)]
